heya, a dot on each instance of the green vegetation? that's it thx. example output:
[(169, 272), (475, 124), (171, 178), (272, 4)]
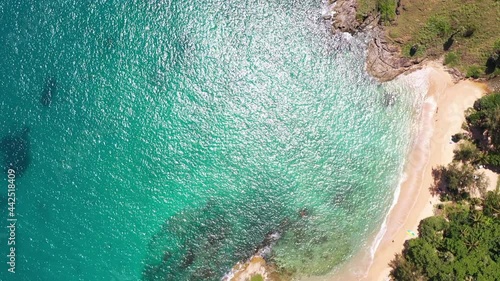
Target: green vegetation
[(463, 244), (458, 181), (468, 152), (463, 241), (492, 203), (387, 10), (474, 71), (496, 46), (257, 277), (451, 59), (465, 32), (438, 26), (482, 143), (365, 8)]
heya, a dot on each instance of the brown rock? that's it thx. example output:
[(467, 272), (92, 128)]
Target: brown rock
[(345, 16), (384, 60)]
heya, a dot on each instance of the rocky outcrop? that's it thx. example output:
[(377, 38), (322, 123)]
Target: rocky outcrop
[(494, 84), (244, 271), (344, 17), (384, 60), (456, 75)]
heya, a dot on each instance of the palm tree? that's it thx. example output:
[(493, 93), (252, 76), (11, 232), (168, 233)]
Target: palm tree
[(471, 243), (477, 218)]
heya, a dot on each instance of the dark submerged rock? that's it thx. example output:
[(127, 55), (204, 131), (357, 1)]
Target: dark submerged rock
[(166, 256), (203, 232), (188, 259), (303, 213), (16, 151), (389, 99)]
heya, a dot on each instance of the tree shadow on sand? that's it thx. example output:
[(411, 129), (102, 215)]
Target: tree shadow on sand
[(438, 188)]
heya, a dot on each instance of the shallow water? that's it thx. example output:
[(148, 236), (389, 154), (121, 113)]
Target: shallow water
[(179, 134)]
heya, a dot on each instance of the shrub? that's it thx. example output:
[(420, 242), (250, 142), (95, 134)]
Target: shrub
[(387, 9), (423, 255), (491, 203), (457, 137), (456, 181), (487, 102), (463, 245), (493, 160), (496, 46), (475, 119), (484, 123), (467, 152), (468, 31), (439, 25), (474, 71), (451, 59), (413, 49), (257, 277), (404, 270), (430, 227)]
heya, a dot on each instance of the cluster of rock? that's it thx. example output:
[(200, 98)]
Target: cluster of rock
[(256, 264), (384, 60)]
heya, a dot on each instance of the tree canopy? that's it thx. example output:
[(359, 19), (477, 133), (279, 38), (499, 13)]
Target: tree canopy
[(463, 244), (483, 122), (458, 181)]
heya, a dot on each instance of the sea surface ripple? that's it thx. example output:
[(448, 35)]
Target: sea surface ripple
[(167, 138)]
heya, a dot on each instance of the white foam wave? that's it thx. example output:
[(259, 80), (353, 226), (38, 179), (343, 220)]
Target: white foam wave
[(383, 228), (419, 83)]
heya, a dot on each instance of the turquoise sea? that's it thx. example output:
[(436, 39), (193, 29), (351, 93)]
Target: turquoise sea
[(164, 139)]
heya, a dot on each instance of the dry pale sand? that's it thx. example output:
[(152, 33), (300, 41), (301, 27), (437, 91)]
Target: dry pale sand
[(492, 178), (442, 116)]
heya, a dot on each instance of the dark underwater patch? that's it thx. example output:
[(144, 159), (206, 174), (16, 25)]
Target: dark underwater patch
[(389, 99), (200, 243), (16, 151), (189, 246)]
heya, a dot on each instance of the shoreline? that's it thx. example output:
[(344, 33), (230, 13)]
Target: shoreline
[(442, 116)]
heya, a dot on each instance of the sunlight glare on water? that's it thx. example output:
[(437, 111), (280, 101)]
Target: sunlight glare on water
[(180, 133)]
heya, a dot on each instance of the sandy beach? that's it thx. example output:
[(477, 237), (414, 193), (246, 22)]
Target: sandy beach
[(442, 116)]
